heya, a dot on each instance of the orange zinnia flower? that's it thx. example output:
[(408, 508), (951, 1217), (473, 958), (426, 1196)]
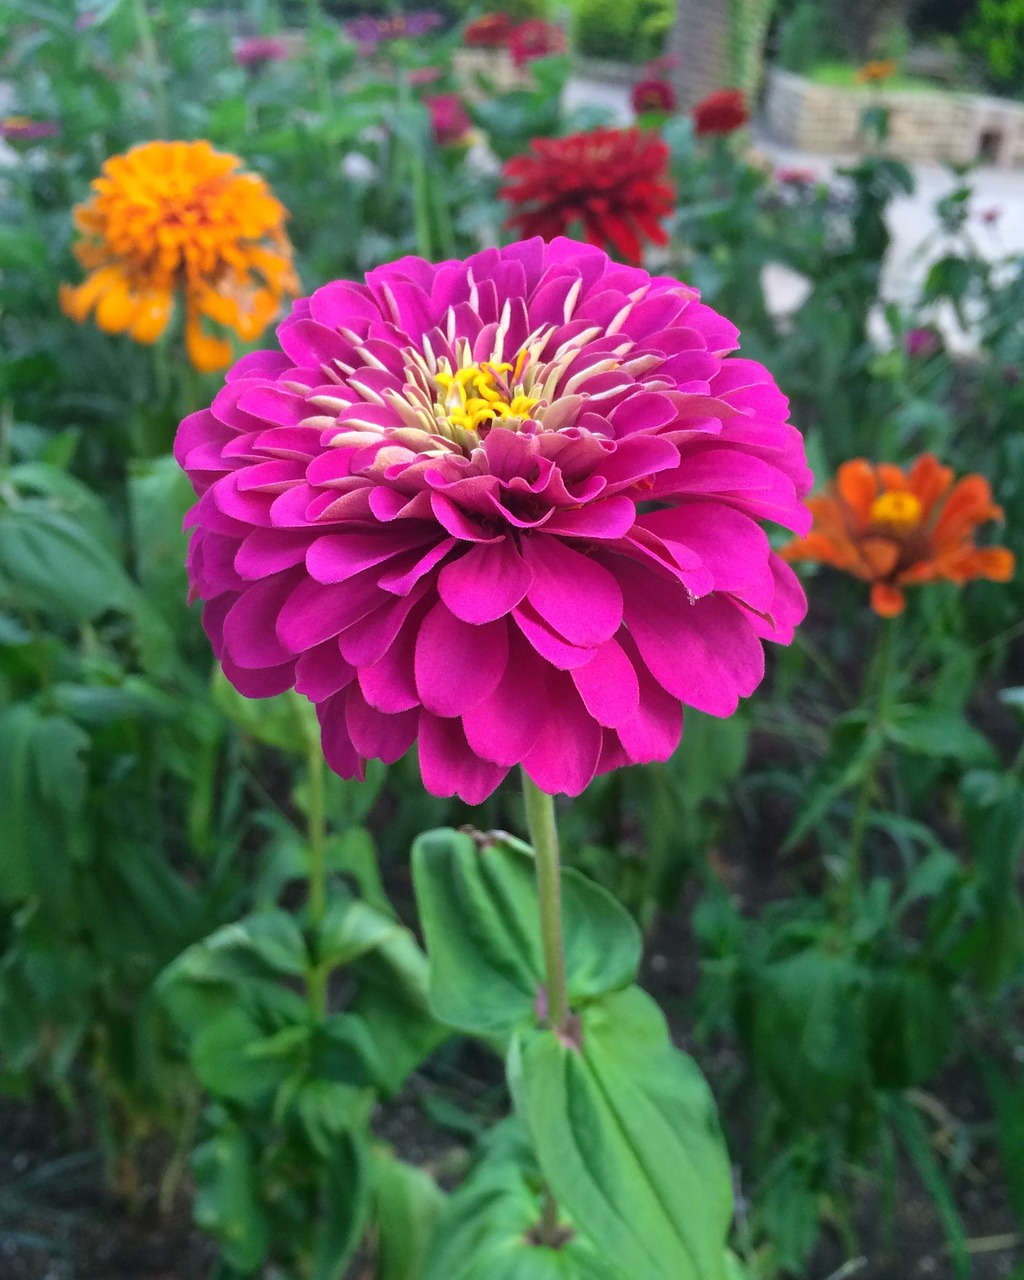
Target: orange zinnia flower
[(169, 216), (893, 529), (877, 70)]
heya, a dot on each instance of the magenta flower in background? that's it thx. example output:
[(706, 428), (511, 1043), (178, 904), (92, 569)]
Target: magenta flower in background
[(369, 33), (507, 509), (258, 50), (23, 129), (448, 117), (991, 215), (922, 343)]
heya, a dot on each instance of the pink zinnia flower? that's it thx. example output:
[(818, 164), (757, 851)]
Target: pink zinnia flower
[(259, 50), (506, 509), (448, 117)]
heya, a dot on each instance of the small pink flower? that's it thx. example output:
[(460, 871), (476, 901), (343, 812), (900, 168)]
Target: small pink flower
[(448, 117), (259, 50), (508, 510), (991, 215), (796, 177), (922, 343)]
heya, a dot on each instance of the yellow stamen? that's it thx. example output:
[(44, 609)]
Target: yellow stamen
[(480, 395), (898, 509)]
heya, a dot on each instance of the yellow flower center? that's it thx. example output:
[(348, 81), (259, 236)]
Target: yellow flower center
[(479, 396), (897, 509)]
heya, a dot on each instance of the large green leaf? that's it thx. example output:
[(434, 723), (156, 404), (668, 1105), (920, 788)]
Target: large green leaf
[(627, 1136), (345, 1207), (802, 1018), (935, 731), (478, 906)]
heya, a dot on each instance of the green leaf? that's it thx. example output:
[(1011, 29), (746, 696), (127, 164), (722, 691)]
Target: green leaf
[(478, 907), (802, 1018), (933, 731), (485, 1229), (914, 1137), (345, 1207), (287, 721), (350, 928), (58, 566), (852, 752), (227, 1200), (1008, 1100), (227, 1059), (627, 1136), (910, 1023), (407, 1202)]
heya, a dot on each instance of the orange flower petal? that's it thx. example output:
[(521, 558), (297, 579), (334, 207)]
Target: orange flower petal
[(886, 600), (892, 477), (858, 488), (206, 353), (151, 317), (116, 308), (929, 480), (879, 555)]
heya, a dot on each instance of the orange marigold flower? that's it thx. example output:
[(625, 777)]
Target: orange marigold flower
[(170, 216), (894, 528), (877, 70)]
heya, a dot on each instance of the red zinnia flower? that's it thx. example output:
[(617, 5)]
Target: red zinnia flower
[(535, 38), (489, 31), (613, 181), (721, 112), (653, 95)]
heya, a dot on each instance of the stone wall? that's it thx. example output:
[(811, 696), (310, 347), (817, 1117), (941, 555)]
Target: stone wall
[(940, 126)]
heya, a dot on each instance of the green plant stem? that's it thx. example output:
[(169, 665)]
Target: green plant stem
[(316, 985), (540, 817), (151, 57), (877, 689), (323, 88)]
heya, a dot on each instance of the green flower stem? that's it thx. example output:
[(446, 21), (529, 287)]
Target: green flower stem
[(320, 76), (151, 57), (878, 690), (540, 817), (316, 979)]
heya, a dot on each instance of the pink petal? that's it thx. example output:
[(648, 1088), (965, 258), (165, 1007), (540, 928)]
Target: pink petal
[(449, 766), (263, 682), (485, 583), (564, 757), (654, 729), (549, 645), (322, 671), (458, 664), (314, 613), (704, 653), (338, 750), (375, 735), (249, 636), (608, 685), (580, 599), (506, 724)]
